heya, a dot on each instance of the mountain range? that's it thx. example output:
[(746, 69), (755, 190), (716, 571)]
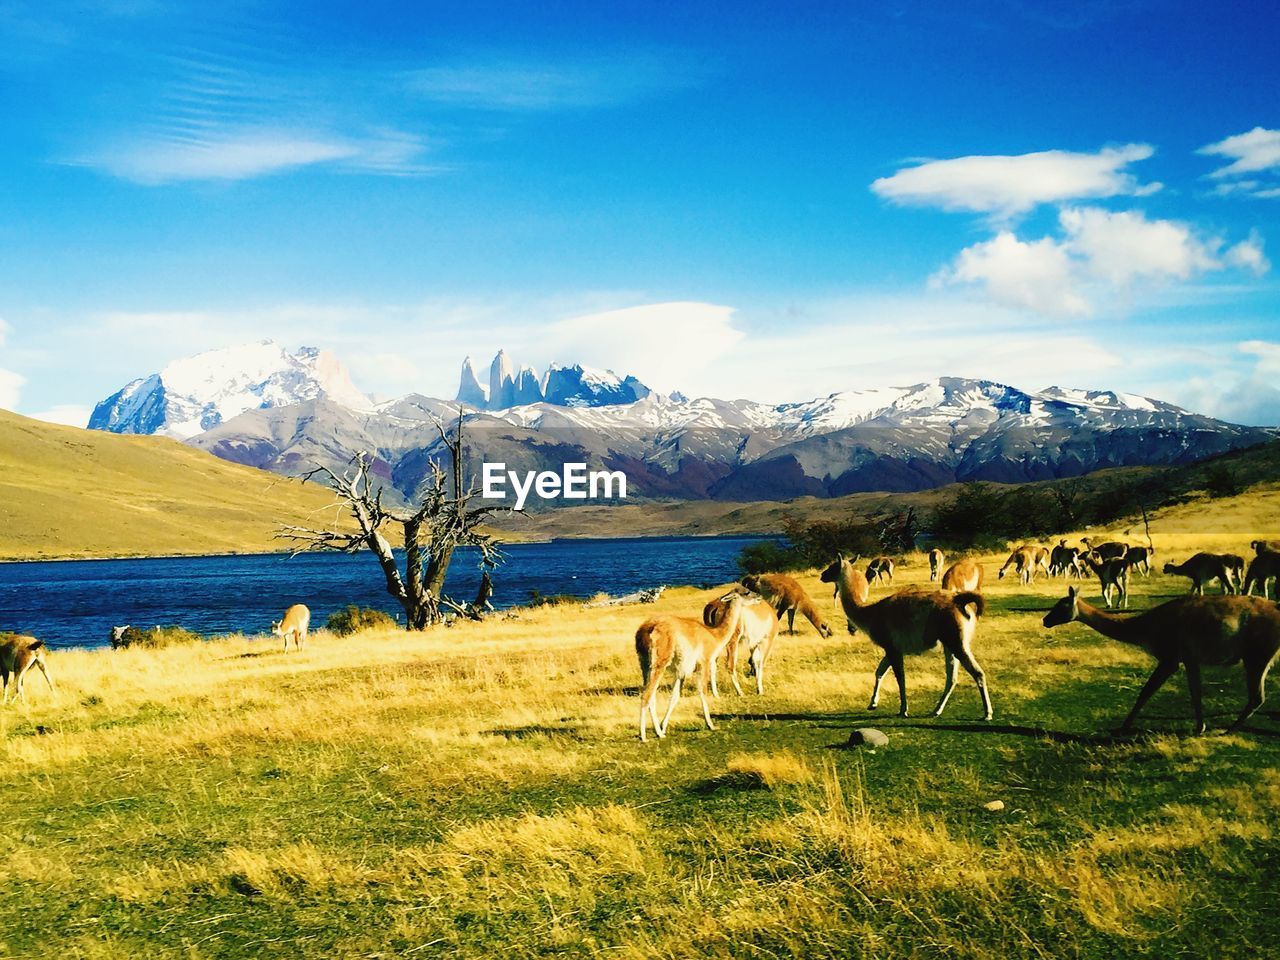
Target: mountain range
[(263, 406)]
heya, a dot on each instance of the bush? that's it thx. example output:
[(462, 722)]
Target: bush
[(155, 638), (352, 619)]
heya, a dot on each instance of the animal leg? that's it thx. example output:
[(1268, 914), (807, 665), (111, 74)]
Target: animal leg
[(953, 668), (757, 660), (675, 698), (1255, 674), (1193, 687), (791, 620), (900, 674), (649, 696), (881, 669), (1164, 670), (702, 693)]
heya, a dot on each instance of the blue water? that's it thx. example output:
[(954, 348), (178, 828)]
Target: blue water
[(76, 603)]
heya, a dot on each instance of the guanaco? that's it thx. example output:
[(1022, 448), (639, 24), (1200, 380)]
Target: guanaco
[(1139, 558), (1109, 550), (294, 624), (1203, 568), (1189, 631), (881, 568), (787, 596), (758, 628), (911, 622), (1023, 561), (962, 575), (1066, 561), (1263, 568), (1113, 577), (1260, 547), (936, 560), (691, 646), (18, 654)]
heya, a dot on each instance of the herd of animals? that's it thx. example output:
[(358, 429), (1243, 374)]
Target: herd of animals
[(1190, 631)]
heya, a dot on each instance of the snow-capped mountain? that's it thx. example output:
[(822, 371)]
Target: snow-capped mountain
[(191, 395), (262, 406)]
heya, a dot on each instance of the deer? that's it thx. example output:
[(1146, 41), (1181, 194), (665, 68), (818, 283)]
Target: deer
[(690, 646), (1189, 631), (936, 560), (912, 622), (1109, 550), (881, 568), (1263, 568), (18, 654), (1023, 561), (787, 596), (1203, 568), (293, 624), (1113, 576), (963, 575), (758, 627)]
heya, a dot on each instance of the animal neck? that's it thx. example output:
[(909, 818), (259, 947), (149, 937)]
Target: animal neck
[(1124, 629), (729, 625), (848, 590)]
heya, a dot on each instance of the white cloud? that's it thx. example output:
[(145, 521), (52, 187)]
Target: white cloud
[(1037, 276), (1240, 391), (1099, 258), (1008, 185), (1251, 152), (69, 414), (664, 344), (1122, 247), (10, 382), (245, 153)]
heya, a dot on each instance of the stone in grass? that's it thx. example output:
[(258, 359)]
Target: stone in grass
[(993, 806), (868, 737)]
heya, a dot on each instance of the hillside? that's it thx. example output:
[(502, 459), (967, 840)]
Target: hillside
[(66, 492)]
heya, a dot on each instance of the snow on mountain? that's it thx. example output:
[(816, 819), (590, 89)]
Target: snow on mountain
[(575, 386), (193, 394)]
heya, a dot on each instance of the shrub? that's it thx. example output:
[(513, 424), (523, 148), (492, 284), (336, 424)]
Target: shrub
[(352, 619), (156, 637)]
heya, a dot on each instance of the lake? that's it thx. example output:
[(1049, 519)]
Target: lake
[(75, 603)]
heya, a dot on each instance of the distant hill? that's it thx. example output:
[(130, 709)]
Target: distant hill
[(66, 492)]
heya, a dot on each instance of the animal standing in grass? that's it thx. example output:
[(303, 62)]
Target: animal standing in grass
[(936, 560), (758, 629), (911, 622), (1139, 558), (881, 568), (1113, 577), (1190, 632), (294, 625), (1108, 550), (787, 596), (1264, 568), (1065, 560), (18, 654), (962, 575), (1204, 568), (688, 645), (1023, 561)]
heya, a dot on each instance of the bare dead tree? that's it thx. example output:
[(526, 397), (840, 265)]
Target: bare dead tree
[(443, 521)]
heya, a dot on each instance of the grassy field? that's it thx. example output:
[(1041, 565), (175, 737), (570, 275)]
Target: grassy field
[(479, 790)]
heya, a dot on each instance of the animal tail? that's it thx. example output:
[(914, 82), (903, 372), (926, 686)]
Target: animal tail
[(644, 651), (35, 645), (962, 601)]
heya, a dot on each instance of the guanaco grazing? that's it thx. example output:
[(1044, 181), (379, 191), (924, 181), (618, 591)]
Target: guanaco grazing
[(1113, 576), (294, 624), (787, 596), (18, 654), (1204, 568), (1109, 550), (1023, 561), (690, 646), (911, 622), (962, 575), (758, 629), (881, 568), (1064, 560), (936, 560), (1189, 631), (1262, 569)]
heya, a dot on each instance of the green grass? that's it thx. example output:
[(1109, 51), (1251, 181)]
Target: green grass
[(479, 791), (66, 492)]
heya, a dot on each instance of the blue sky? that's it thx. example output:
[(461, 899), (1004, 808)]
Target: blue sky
[(765, 200)]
